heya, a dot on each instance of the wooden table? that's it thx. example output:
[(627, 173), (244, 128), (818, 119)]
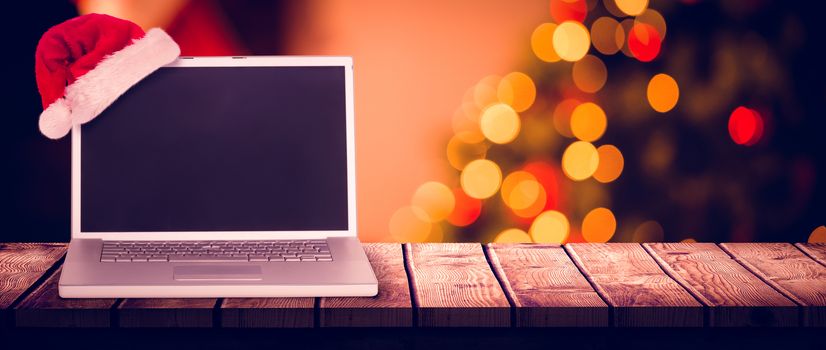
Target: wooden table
[(432, 285)]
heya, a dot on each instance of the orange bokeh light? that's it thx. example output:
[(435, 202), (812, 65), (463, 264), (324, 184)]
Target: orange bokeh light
[(568, 10), (466, 209)]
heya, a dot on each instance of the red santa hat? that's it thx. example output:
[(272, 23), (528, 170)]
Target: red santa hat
[(84, 64)]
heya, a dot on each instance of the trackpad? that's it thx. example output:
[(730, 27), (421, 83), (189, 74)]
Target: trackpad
[(217, 273)]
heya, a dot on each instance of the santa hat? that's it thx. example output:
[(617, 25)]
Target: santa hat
[(84, 64)]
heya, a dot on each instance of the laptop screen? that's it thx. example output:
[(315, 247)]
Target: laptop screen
[(219, 149)]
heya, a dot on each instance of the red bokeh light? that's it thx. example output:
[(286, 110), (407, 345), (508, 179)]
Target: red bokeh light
[(745, 126), (570, 10), (644, 42), (466, 210), (546, 176)]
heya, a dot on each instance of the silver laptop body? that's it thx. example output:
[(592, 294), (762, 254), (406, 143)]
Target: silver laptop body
[(220, 177)]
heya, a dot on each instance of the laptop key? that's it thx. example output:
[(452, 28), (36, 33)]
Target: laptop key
[(187, 258)]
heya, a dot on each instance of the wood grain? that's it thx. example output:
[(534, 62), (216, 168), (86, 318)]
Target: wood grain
[(453, 286), (789, 271), (267, 312), (45, 308), (546, 287), (816, 251), (22, 264), (735, 296), (392, 307), (639, 292), (173, 312)]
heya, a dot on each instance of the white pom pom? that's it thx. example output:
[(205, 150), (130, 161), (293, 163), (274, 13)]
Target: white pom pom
[(56, 120)]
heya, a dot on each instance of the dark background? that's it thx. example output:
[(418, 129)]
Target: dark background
[(786, 195)]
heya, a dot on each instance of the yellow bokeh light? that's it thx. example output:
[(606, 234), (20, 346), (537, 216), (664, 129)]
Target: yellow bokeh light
[(571, 40), (599, 225), (655, 19), (818, 235), (520, 190), (632, 7), (688, 240), (610, 165), (460, 152), (663, 92), (485, 91), (410, 224), (588, 122), (589, 74), (435, 199), (481, 178), (542, 42), (580, 160), (518, 90), (500, 123), (607, 35), (512, 235), (550, 227)]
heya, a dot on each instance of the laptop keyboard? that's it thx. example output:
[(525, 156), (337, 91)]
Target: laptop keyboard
[(215, 251)]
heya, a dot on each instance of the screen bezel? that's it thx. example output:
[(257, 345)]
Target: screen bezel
[(237, 61)]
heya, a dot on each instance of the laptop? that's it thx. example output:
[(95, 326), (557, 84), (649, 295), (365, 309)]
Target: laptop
[(220, 177)]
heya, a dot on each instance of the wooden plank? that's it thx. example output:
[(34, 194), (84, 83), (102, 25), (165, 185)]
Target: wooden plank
[(392, 307), (790, 272), (735, 296), (816, 251), (267, 312), (546, 287), (632, 283), (173, 312), (453, 286), (22, 264), (45, 308)]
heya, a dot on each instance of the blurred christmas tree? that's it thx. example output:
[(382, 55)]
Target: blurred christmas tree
[(620, 129)]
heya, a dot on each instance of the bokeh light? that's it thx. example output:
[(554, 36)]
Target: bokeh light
[(589, 74), (663, 92), (459, 152), (542, 42), (520, 190), (517, 90), (631, 7), (568, 10), (410, 224), (644, 42), (599, 225), (607, 35), (562, 116), (435, 199), (653, 18), (485, 91), (500, 123), (481, 178), (818, 235), (466, 210), (610, 165), (550, 227), (745, 126), (512, 235), (546, 174), (571, 40), (649, 231), (580, 160), (588, 122)]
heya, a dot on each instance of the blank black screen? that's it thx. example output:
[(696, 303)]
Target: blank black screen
[(219, 149)]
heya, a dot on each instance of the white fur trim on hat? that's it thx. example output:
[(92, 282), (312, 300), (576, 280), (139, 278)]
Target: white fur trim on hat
[(94, 91), (55, 121)]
